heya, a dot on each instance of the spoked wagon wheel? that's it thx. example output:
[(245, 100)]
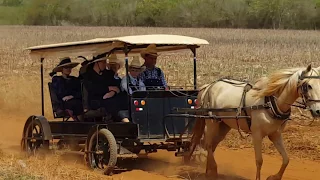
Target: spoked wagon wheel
[(102, 151), (33, 138)]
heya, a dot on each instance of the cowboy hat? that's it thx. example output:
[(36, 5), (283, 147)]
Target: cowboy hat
[(112, 59), (136, 64), (97, 57), (85, 62), (65, 62), (150, 50)]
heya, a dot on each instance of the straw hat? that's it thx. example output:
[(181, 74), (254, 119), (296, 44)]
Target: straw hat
[(112, 59), (136, 63), (150, 50), (65, 62)]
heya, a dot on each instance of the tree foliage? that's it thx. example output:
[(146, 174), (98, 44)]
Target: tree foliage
[(277, 14)]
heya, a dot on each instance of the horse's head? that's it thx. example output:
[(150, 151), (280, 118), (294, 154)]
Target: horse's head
[(309, 89)]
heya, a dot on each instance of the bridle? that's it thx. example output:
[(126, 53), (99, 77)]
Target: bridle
[(304, 88)]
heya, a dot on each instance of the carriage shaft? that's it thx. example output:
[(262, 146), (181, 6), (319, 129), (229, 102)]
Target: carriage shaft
[(207, 116)]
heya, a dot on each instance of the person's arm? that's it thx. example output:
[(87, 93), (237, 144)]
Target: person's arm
[(124, 85), (164, 82), (57, 87), (142, 86)]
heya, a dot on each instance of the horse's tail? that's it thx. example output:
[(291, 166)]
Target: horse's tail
[(197, 132), (199, 126)]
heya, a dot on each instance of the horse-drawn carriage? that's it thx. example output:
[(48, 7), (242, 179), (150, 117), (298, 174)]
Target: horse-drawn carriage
[(153, 126), (157, 116)]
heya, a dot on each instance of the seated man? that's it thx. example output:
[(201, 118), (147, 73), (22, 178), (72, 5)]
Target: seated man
[(67, 88), (152, 76), (135, 84), (102, 89)]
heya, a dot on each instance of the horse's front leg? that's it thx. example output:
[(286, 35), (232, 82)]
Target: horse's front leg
[(211, 133), (277, 140), (257, 143)]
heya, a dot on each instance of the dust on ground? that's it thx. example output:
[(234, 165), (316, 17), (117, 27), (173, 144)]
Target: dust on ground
[(234, 163)]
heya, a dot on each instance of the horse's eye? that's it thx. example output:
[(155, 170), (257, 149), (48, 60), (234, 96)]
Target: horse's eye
[(309, 86)]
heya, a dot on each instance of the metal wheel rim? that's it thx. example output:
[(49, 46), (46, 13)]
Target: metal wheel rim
[(100, 161), (36, 132)]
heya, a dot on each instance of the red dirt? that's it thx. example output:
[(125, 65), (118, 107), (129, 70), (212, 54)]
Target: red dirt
[(232, 164)]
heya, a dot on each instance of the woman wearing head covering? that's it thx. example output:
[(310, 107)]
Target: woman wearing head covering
[(67, 87)]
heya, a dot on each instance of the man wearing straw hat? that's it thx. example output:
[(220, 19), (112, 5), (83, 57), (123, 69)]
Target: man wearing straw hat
[(102, 88), (152, 76)]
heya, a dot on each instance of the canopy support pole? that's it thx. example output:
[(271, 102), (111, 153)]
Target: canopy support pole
[(126, 51), (42, 90), (193, 49)]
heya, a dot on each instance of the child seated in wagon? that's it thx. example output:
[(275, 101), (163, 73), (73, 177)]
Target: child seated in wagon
[(135, 83)]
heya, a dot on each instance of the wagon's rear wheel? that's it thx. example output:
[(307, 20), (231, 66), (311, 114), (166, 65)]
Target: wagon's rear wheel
[(33, 138), (102, 151)]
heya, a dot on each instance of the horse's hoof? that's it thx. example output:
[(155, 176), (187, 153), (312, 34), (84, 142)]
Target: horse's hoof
[(273, 177)]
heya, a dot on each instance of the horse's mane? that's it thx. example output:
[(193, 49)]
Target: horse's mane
[(277, 81)]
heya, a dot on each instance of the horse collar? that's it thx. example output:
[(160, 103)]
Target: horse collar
[(275, 111)]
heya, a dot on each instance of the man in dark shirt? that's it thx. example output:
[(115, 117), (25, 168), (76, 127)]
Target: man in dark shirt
[(102, 87)]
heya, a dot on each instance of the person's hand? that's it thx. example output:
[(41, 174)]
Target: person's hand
[(109, 94), (167, 88), (114, 88), (67, 98)]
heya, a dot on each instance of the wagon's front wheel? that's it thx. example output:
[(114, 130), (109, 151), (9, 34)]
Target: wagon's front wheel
[(102, 151)]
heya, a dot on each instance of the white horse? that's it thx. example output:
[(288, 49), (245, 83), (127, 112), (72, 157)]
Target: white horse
[(282, 89)]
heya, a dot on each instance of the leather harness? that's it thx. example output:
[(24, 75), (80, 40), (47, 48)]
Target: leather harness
[(270, 103)]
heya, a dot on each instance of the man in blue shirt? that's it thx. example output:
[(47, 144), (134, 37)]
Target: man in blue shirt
[(152, 77)]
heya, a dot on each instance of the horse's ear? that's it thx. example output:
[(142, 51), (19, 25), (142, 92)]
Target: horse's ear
[(309, 68), (306, 71)]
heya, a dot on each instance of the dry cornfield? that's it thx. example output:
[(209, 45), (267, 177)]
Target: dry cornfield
[(242, 54)]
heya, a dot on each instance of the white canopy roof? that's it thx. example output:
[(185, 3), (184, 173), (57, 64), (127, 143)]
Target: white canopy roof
[(137, 43)]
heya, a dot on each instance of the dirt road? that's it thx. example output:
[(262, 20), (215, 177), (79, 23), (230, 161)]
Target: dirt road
[(232, 164)]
